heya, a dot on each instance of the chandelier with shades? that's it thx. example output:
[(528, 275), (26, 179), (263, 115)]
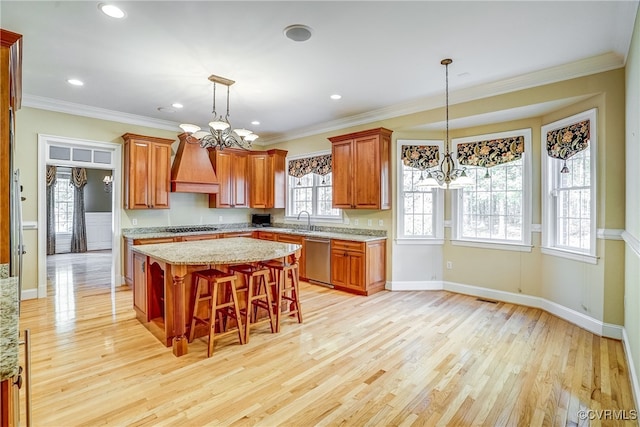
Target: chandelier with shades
[(447, 175), (220, 135)]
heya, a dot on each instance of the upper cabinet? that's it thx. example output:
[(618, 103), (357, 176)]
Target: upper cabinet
[(361, 169), (267, 179), (147, 171), (231, 167)]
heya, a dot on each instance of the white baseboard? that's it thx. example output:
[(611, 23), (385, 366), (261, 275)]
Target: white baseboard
[(579, 319), (29, 294), (633, 375), (414, 285)]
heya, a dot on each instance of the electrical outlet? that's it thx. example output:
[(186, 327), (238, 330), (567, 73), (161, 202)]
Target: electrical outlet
[(134, 221), (219, 218), (369, 222), (355, 222), (449, 265), (346, 221), (380, 222)]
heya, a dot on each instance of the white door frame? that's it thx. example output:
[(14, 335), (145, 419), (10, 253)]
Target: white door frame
[(44, 141)]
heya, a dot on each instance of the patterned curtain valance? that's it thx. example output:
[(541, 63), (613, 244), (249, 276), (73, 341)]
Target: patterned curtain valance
[(320, 165), (565, 142), (420, 157), (51, 175), (78, 177), (492, 152)]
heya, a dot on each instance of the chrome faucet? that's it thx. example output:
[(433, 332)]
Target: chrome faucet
[(308, 219)]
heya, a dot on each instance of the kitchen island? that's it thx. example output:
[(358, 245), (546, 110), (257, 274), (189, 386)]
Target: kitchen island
[(162, 278)]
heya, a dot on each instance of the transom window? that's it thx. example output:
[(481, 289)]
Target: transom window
[(311, 192), (568, 185), (496, 208)]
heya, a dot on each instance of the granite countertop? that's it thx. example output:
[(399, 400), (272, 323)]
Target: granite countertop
[(233, 250), (328, 233), (8, 327)]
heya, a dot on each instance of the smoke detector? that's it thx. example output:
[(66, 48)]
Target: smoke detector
[(298, 32)]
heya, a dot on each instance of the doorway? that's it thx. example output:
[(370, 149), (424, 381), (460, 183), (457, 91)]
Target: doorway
[(102, 198)]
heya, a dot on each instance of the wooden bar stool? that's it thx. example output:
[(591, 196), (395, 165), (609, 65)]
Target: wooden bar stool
[(208, 283), (258, 295), (286, 282)]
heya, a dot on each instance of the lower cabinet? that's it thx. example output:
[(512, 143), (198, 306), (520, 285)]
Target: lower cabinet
[(140, 285), (298, 240), (358, 267), (128, 253)]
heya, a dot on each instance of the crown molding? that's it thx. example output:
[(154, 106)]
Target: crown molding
[(592, 65), (95, 112), (584, 67)]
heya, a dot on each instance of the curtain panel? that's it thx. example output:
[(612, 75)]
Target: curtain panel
[(491, 152), (320, 165), (568, 141), (51, 206), (79, 228), (420, 157)]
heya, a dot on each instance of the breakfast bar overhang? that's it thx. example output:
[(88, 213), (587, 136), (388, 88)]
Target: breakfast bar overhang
[(162, 278)]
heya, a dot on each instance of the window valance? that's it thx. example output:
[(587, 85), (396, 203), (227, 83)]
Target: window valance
[(420, 157), (492, 152), (568, 141), (320, 165), (79, 177)]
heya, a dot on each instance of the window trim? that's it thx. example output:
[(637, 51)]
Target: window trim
[(549, 219), (527, 197), (438, 200), (287, 212)]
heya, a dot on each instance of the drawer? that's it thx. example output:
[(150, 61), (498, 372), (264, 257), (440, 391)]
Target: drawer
[(238, 234), (346, 245), (286, 238), (266, 235), (152, 240), (198, 237)]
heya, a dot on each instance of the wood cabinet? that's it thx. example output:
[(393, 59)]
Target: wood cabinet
[(196, 237), (266, 235), (267, 179), (140, 284), (237, 234), (128, 253), (358, 267), (147, 171), (232, 170), (361, 169)]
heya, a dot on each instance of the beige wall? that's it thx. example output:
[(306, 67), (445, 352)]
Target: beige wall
[(632, 224)]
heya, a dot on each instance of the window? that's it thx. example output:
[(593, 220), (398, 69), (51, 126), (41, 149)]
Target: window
[(569, 170), (496, 208), (63, 204), (310, 192), (420, 210)]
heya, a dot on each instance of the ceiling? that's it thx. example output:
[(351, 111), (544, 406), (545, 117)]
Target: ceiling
[(383, 57)]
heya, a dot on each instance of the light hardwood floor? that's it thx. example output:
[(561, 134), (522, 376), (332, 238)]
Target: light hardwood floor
[(394, 358)]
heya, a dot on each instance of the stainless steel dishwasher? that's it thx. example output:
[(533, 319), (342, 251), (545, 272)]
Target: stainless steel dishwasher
[(318, 262)]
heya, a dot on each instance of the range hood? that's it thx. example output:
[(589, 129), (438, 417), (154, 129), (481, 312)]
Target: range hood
[(192, 171)]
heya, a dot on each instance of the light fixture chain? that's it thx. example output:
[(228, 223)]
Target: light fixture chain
[(228, 89)]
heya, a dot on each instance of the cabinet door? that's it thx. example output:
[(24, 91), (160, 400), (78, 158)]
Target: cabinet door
[(258, 193), (366, 174), (339, 267), (355, 271), (223, 166), (140, 284), (128, 262), (240, 172), (160, 181), (139, 175), (342, 187)]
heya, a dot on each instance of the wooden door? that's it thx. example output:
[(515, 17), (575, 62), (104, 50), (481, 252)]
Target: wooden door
[(222, 161), (139, 175), (160, 170), (366, 172), (240, 173), (342, 187), (258, 190)]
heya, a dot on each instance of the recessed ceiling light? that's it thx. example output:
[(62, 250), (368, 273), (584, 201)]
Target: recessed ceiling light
[(177, 105), (336, 96), (298, 32), (75, 82), (255, 122), (111, 10)]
